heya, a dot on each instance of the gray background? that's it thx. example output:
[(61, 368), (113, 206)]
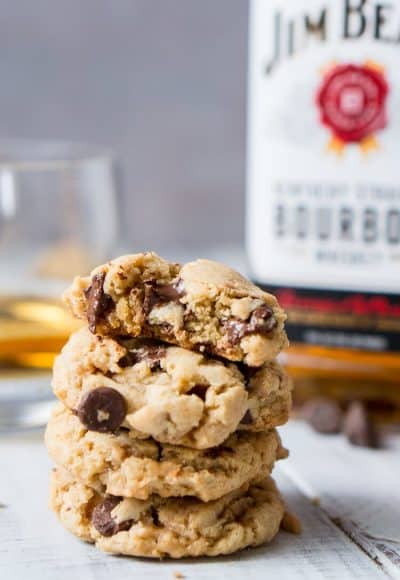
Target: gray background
[(162, 82)]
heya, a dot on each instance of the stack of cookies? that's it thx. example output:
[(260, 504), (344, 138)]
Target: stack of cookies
[(165, 438)]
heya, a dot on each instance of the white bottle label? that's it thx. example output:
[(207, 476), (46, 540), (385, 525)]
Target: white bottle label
[(324, 150)]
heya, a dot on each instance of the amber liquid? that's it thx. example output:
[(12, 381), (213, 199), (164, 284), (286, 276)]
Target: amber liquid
[(32, 332), (345, 375)]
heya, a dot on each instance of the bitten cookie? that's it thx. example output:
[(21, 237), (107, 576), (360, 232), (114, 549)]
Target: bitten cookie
[(202, 305), (122, 466), (174, 527), (169, 393)]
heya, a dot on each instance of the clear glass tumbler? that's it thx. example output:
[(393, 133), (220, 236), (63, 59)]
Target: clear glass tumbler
[(58, 218)]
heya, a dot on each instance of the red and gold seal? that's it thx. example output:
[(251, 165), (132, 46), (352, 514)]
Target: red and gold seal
[(352, 103)]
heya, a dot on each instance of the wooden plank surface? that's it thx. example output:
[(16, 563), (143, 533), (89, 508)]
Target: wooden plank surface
[(357, 488), (33, 543)]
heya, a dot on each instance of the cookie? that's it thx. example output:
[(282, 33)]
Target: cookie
[(202, 306), (119, 465), (169, 393), (168, 527)]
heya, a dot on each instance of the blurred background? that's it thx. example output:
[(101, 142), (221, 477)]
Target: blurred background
[(163, 84)]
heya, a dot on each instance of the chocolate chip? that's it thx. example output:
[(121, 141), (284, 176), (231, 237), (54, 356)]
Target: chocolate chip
[(198, 390), (170, 292), (235, 329), (261, 321), (159, 450), (216, 452), (154, 516), (247, 372), (358, 427), (155, 294), (247, 418), (104, 522), (152, 354), (102, 409), (151, 299), (212, 453), (98, 302), (127, 361), (324, 415)]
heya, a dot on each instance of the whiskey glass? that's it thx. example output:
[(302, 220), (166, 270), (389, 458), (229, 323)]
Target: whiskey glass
[(58, 219)]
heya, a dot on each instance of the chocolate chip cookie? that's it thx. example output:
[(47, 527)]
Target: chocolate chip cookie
[(169, 393), (118, 464), (202, 306), (172, 527)]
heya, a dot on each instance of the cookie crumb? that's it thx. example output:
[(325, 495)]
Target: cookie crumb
[(178, 576), (291, 523)]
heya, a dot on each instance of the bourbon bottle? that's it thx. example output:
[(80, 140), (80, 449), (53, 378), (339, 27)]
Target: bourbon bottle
[(323, 219)]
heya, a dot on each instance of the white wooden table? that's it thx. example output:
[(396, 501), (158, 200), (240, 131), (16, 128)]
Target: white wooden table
[(347, 498)]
